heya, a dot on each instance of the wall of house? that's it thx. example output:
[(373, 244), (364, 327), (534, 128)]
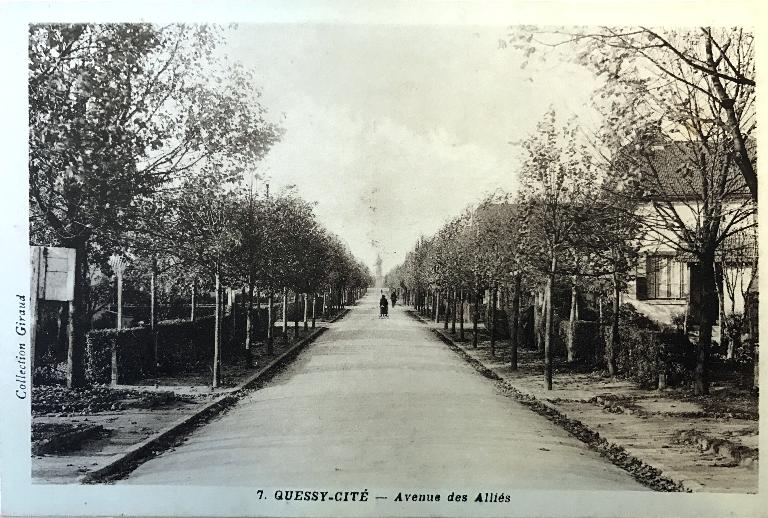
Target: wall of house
[(660, 242)]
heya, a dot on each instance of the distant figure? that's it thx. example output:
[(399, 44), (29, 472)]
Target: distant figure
[(394, 298), (383, 306)]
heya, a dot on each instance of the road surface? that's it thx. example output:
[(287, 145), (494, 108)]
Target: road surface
[(383, 403)]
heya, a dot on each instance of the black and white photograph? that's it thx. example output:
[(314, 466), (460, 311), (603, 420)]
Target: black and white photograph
[(382, 262)]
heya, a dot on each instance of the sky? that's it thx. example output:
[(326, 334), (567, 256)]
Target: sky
[(392, 130)]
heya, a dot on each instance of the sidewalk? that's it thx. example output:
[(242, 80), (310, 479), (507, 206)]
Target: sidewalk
[(94, 431), (700, 444)]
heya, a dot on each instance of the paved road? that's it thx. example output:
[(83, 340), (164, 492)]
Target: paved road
[(383, 403)]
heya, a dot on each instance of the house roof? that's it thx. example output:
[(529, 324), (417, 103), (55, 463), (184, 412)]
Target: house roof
[(671, 171)]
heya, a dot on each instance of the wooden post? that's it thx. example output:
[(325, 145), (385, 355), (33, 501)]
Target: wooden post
[(662, 361), (119, 301), (306, 311), (114, 378), (193, 301)]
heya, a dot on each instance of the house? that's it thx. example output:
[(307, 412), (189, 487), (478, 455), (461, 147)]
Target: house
[(666, 282)]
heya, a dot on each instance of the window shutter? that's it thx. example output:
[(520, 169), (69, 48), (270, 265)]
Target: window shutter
[(641, 281), (651, 274)]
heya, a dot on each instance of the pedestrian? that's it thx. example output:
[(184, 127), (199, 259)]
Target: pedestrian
[(394, 298), (383, 306)]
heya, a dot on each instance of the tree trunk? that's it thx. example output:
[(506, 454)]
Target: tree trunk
[(314, 309), (437, 306), (296, 299), (615, 342), (453, 313), (536, 320), (285, 312), (447, 306), (325, 307), (688, 302), (572, 323), (249, 324), (539, 311), (461, 314), (475, 317), (515, 323), (600, 349), (77, 318), (153, 310), (217, 331), (549, 324), (257, 318), (707, 315), (270, 322), (492, 317)]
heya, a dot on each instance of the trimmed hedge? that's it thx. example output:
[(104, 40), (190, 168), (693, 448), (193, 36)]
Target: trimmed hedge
[(182, 345), (643, 353), (587, 341), (134, 357)]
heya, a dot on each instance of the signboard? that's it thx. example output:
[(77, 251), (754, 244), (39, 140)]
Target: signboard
[(53, 272)]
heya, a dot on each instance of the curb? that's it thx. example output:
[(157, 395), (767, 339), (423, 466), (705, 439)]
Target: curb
[(143, 451), (339, 316), (641, 471)]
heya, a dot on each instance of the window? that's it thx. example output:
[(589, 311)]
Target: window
[(667, 278)]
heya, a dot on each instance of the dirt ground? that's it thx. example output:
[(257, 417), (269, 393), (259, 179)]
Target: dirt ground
[(80, 430), (706, 443)]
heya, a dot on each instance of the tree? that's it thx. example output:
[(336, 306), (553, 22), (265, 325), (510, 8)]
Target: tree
[(558, 182), (717, 64), (682, 100), (118, 113)]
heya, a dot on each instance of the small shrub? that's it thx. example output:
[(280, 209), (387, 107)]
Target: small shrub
[(50, 373)]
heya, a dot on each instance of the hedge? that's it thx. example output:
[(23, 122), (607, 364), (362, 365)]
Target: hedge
[(134, 356), (587, 342), (182, 345), (643, 353)]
